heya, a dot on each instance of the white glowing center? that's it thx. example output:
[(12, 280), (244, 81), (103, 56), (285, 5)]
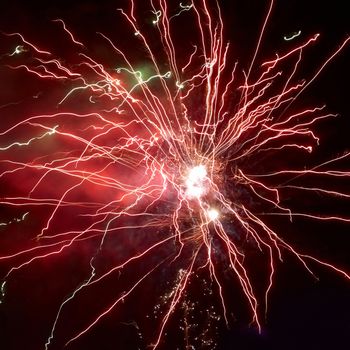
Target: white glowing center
[(213, 214), (195, 182)]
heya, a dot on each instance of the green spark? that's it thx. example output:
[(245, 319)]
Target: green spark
[(18, 50), (27, 143), (158, 15), (2, 291), (293, 36)]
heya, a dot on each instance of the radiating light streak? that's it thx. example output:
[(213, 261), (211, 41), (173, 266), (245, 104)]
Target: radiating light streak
[(165, 152)]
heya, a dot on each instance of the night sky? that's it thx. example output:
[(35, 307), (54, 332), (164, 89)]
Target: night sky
[(303, 313)]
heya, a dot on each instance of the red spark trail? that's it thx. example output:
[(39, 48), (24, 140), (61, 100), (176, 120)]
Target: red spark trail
[(163, 152)]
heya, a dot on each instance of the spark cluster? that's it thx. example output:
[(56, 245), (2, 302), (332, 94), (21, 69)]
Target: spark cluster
[(164, 163)]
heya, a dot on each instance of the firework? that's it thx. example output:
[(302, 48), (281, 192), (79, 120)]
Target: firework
[(162, 173)]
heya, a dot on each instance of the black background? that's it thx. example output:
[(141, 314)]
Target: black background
[(303, 313)]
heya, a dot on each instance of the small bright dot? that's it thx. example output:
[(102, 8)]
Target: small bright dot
[(213, 214)]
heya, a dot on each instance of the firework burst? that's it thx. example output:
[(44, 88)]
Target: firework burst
[(162, 172)]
